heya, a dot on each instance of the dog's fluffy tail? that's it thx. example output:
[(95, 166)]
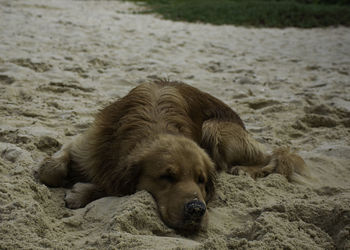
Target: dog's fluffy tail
[(288, 164)]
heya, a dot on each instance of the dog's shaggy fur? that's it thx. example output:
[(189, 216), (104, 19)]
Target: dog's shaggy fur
[(167, 138)]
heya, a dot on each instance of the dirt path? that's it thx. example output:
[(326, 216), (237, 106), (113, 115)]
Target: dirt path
[(62, 60)]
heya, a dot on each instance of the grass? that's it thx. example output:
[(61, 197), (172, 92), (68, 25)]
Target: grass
[(263, 13)]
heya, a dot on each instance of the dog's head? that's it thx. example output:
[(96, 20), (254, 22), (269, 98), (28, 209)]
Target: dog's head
[(181, 178)]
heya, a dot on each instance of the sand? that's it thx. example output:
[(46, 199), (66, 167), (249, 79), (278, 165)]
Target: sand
[(61, 61)]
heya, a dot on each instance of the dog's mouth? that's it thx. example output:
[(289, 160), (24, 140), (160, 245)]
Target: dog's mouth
[(191, 219), (186, 225), (191, 226)]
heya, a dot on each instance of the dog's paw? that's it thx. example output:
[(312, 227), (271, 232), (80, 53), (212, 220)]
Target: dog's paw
[(77, 197), (253, 172), (258, 174), (83, 193), (236, 171)]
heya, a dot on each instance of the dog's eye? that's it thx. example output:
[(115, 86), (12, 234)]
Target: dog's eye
[(168, 177), (201, 179)]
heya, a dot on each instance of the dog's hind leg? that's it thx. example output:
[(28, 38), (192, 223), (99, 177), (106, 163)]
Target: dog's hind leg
[(229, 144), (233, 149)]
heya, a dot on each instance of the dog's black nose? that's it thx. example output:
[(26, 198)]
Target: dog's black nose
[(194, 210)]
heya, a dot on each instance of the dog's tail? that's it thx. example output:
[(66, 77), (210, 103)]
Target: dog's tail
[(288, 164)]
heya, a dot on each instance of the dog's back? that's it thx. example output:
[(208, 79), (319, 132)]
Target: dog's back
[(160, 107)]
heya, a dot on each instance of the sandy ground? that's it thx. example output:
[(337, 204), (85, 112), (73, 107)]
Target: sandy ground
[(61, 61)]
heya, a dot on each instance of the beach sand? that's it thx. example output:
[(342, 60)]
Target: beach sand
[(62, 60)]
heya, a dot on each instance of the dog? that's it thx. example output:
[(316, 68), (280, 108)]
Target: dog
[(169, 139)]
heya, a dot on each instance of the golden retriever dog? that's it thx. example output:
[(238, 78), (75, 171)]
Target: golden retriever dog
[(169, 139)]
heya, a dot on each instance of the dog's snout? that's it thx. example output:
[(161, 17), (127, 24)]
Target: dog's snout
[(194, 209)]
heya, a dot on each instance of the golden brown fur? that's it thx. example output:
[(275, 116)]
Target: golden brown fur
[(167, 138)]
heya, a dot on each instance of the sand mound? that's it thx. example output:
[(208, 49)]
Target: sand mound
[(61, 61)]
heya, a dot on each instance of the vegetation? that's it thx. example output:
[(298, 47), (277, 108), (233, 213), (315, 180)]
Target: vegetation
[(258, 13)]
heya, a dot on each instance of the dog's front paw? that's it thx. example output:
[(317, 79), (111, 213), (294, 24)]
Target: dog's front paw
[(77, 197), (72, 200)]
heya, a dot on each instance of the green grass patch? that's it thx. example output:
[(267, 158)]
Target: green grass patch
[(263, 13)]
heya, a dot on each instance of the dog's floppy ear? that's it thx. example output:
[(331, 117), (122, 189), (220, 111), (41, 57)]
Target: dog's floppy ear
[(211, 184), (130, 171), (127, 179), (126, 176)]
